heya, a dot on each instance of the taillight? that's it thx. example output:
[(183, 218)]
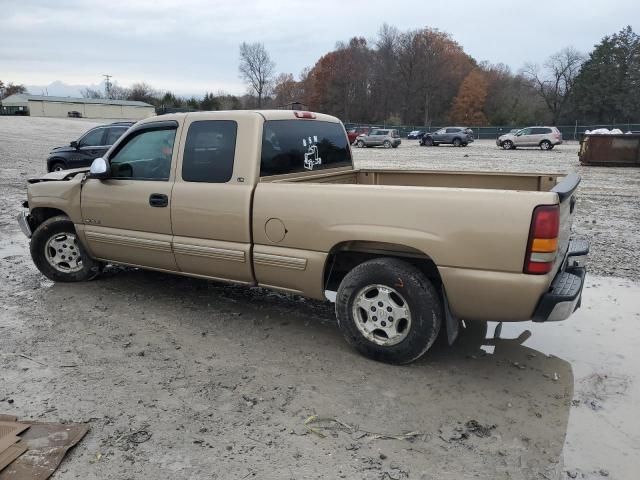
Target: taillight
[(543, 240), (300, 114)]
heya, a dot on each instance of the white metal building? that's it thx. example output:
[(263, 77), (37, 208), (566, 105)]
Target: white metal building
[(46, 106)]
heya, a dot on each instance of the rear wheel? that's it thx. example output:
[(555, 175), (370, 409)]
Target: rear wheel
[(545, 145), (58, 254), (457, 142), (388, 310), (386, 144), (360, 144), (507, 145)]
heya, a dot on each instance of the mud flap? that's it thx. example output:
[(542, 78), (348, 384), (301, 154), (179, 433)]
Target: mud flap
[(451, 323)]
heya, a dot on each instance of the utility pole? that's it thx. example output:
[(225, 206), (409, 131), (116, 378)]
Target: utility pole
[(107, 85)]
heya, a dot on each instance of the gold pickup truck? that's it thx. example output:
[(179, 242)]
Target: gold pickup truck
[(271, 198)]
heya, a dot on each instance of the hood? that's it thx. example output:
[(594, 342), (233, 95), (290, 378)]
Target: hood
[(66, 148), (58, 176)]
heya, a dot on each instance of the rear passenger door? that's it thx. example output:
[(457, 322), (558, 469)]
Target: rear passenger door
[(113, 134), (523, 138), (211, 203), (451, 133)]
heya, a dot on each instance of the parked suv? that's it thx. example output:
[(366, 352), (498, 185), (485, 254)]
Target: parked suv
[(93, 144), (456, 136), (544, 137), (378, 137)]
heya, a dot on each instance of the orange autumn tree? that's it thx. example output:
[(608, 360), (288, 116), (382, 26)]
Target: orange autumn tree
[(468, 105)]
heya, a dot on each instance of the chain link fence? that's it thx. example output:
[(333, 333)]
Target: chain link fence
[(569, 132)]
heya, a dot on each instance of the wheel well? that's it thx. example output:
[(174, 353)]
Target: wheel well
[(345, 256), (40, 214)]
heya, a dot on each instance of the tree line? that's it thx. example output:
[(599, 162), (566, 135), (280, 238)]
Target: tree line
[(424, 77)]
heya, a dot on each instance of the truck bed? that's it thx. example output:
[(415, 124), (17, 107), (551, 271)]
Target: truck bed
[(532, 182)]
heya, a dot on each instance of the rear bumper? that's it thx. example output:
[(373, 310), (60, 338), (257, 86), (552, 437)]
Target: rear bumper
[(565, 293)]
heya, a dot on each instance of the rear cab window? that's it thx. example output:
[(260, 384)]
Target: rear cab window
[(293, 146)]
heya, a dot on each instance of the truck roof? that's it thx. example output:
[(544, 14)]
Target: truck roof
[(230, 114)]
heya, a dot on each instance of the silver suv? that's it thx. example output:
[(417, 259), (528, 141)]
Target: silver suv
[(379, 137), (544, 137)]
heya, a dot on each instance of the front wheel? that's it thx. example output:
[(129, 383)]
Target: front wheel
[(507, 145), (388, 310), (428, 142), (360, 144), (58, 254), (57, 166), (457, 142)]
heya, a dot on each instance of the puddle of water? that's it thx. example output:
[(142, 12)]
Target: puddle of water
[(600, 341)]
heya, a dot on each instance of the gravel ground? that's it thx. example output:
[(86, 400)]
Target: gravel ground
[(186, 379)]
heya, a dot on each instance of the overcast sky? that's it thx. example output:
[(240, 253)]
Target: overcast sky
[(191, 46)]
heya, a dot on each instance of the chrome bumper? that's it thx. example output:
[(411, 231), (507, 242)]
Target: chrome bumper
[(23, 221)]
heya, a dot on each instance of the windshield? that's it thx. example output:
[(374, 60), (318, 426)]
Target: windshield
[(290, 146)]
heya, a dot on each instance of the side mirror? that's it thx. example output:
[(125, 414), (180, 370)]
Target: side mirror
[(74, 144), (100, 169)]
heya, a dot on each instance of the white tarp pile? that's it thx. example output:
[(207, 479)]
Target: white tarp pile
[(604, 131)]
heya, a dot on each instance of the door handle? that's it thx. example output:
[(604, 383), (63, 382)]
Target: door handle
[(158, 200)]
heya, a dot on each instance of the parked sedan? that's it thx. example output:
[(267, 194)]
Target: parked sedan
[(415, 135), (456, 136), (93, 144), (380, 137)]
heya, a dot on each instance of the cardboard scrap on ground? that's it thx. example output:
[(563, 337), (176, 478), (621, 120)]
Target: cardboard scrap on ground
[(39, 449), (9, 430)]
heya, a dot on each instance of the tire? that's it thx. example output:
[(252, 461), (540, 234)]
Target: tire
[(70, 263), (386, 144), (57, 166), (457, 142), (428, 142), (545, 145), (360, 144), (415, 307), (507, 145)]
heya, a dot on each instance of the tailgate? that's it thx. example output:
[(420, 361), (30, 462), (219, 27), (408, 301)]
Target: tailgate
[(566, 190)]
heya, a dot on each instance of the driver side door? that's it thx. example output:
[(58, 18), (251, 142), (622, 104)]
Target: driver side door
[(127, 217)]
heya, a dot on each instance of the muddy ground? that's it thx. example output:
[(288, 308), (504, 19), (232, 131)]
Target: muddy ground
[(186, 379)]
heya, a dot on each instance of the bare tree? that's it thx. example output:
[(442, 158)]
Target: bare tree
[(256, 68), (90, 93), (554, 82)]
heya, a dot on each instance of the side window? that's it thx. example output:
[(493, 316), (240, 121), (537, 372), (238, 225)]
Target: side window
[(526, 131), (209, 151), (146, 155), (93, 138), (113, 134), (453, 130)]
